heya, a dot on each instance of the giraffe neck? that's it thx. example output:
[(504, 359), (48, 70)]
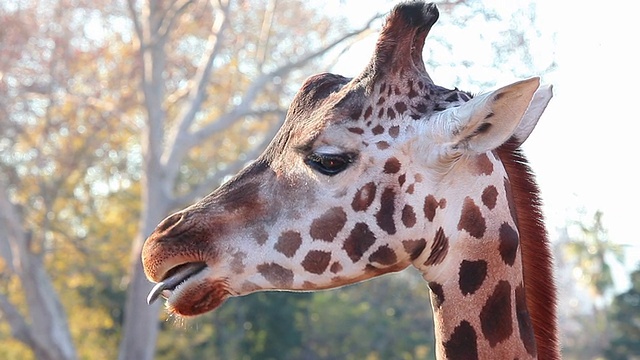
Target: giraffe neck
[(481, 312), (474, 268)]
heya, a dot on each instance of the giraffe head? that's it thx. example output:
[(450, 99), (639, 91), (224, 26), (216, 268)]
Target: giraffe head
[(366, 176)]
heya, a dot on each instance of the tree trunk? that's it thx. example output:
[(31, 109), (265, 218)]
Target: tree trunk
[(140, 328), (46, 331)]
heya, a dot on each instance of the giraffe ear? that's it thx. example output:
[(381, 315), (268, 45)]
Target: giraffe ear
[(538, 104), (489, 120)]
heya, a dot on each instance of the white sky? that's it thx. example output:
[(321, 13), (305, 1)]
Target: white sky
[(584, 149)]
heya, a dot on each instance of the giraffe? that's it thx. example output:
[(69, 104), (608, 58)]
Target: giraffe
[(368, 176)]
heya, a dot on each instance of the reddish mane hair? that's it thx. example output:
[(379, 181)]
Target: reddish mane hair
[(537, 260)]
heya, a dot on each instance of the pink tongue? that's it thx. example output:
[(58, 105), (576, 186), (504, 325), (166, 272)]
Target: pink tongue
[(183, 273)]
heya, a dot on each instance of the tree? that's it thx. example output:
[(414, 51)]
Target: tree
[(624, 318), (52, 129), (587, 253)]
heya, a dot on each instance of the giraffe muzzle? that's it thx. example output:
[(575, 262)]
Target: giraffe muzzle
[(174, 278)]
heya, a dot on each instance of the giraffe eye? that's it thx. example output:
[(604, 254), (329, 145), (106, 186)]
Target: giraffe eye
[(329, 164)]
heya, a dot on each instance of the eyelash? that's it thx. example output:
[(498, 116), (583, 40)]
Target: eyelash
[(329, 164)]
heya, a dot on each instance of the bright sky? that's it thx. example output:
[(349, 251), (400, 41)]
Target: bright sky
[(584, 149)]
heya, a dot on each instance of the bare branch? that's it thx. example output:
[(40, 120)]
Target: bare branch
[(173, 13), (258, 85), (19, 327), (197, 95), (11, 232), (229, 118), (212, 182), (265, 32), (136, 21)]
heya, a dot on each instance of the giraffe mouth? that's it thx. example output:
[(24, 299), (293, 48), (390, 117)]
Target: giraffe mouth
[(174, 277)]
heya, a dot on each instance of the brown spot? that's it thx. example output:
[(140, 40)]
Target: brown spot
[(401, 179), (410, 189), (439, 248), (308, 285), (327, 226), (471, 276), (368, 112), (414, 247), (418, 178), (471, 219), (249, 287), (316, 261), (392, 166), (364, 197), (384, 256), (237, 262), (276, 275), (390, 113), (394, 131), (437, 295), (495, 317), (384, 217), (382, 145), (509, 241), (524, 322), (336, 267), (381, 100), (381, 113), (261, 235), (412, 92), (359, 241), (356, 130), (490, 196), (400, 107), (463, 343), (288, 243), (355, 115), (377, 130), (452, 98), (430, 206), (483, 165), (408, 216), (421, 107)]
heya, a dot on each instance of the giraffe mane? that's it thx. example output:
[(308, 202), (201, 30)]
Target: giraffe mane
[(537, 259)]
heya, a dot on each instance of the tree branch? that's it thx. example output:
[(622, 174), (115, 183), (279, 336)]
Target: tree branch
[(197, 95), (49, 333), (173, 13), (19, 327), (258, 85), (136, 21), (206, 186)]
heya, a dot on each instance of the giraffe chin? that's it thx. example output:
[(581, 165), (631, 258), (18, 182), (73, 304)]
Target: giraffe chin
[(197, 296)]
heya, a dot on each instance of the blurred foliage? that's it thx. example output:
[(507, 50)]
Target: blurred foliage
[(624, 318), (386, 318)]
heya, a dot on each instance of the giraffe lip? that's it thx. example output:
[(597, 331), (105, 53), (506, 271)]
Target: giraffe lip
[(174, 277)]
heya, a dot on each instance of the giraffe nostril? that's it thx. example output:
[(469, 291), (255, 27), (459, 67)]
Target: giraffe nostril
[(170, 224)]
